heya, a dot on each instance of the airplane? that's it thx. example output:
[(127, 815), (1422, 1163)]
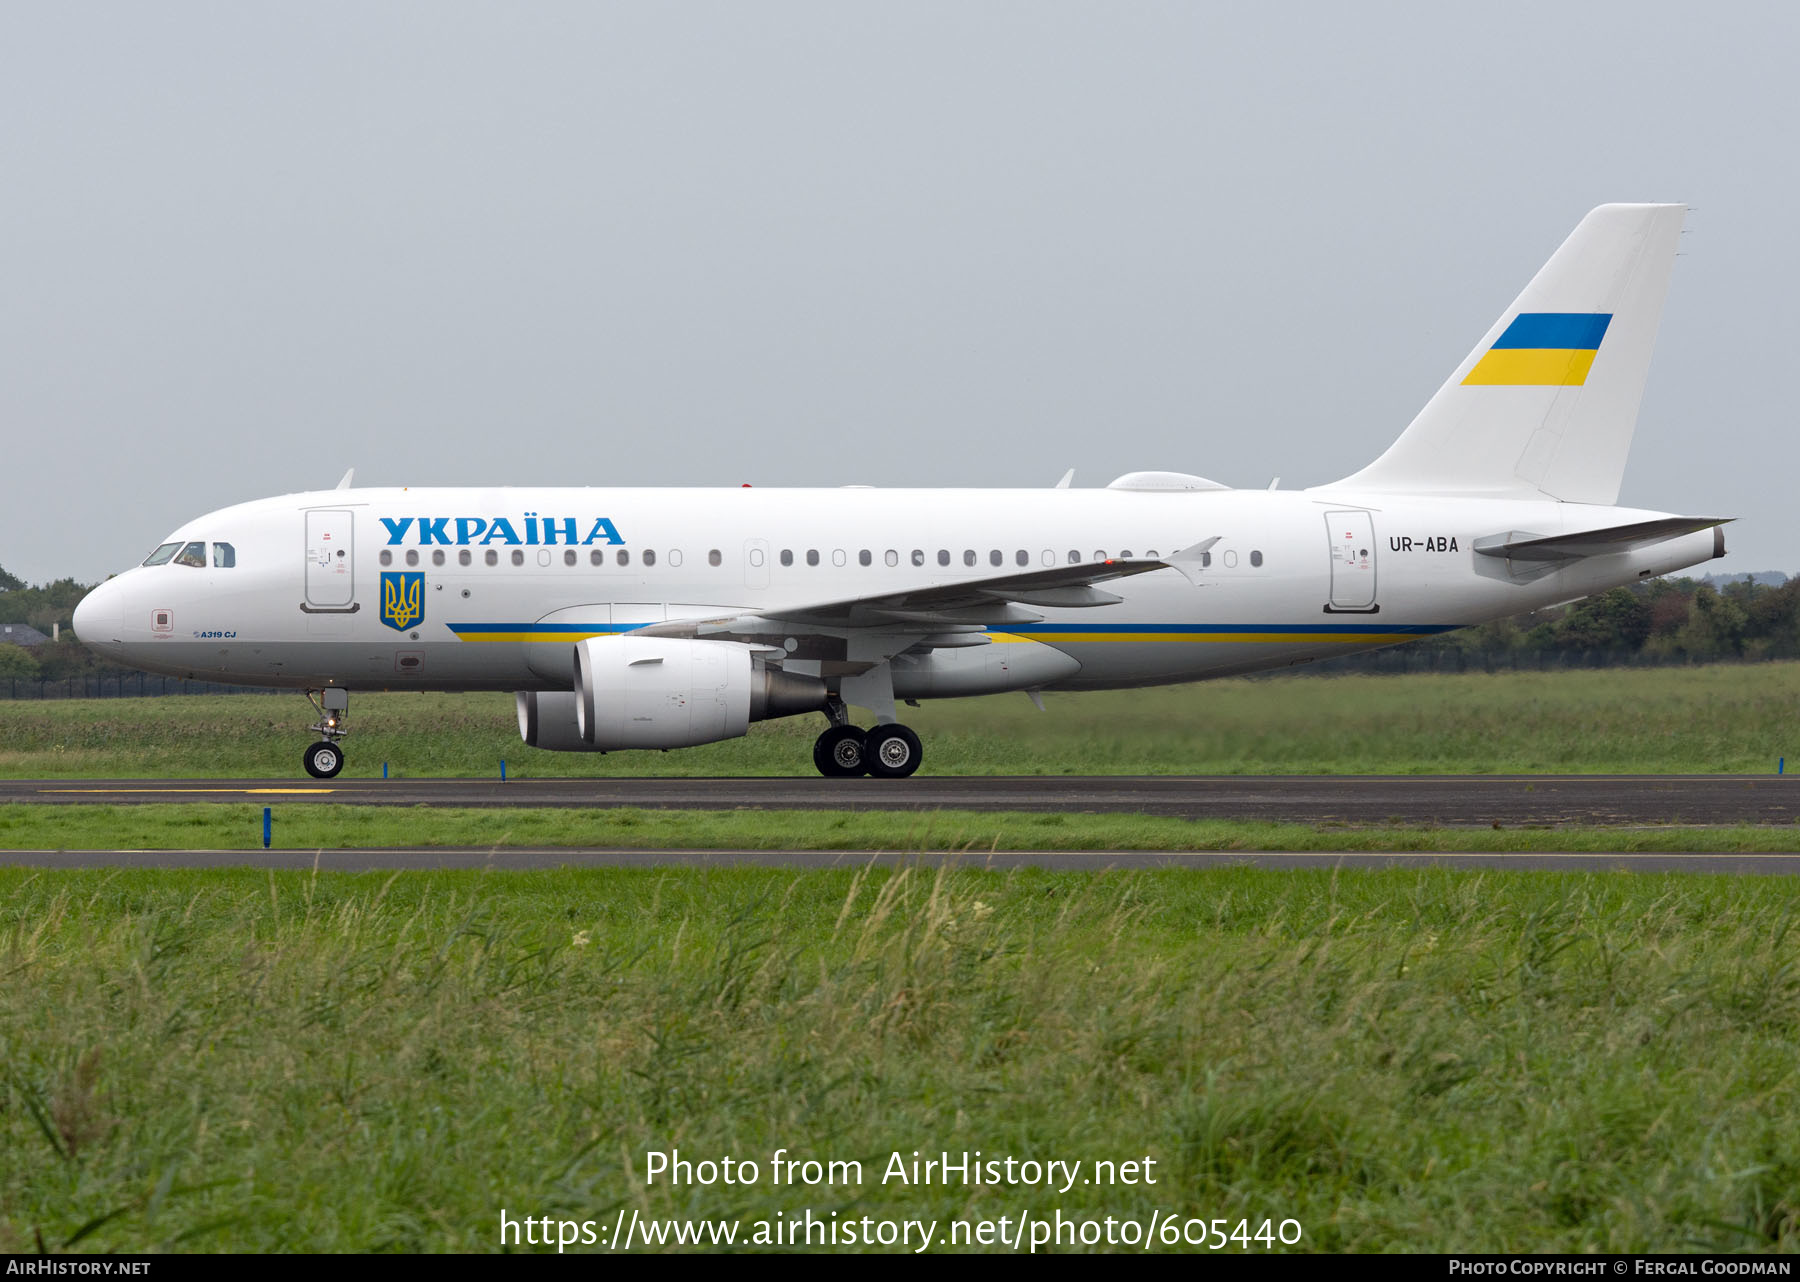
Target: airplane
[(665, 618)]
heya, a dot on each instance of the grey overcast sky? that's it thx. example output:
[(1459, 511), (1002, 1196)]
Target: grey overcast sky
[(244, 246)]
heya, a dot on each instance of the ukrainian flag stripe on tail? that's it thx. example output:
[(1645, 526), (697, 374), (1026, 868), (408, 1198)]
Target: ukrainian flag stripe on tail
[(1554, 349)]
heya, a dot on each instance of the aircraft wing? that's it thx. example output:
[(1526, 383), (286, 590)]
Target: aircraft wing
[(965, 606)]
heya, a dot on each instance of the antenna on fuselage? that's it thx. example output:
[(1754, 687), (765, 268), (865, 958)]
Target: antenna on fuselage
[(349, 476), (1067, 477)]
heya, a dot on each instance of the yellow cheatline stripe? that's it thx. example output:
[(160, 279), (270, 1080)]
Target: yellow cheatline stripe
[(309, 792), (1085, 638), (1208, 638), (1530, 366), (533, 637)]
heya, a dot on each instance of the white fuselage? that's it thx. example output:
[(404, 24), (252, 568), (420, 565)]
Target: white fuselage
[(1293, 576)]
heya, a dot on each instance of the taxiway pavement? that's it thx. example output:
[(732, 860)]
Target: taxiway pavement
[(1360, 799)]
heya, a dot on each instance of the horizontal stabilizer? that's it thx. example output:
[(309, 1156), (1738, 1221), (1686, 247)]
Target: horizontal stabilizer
[(1521, 545)]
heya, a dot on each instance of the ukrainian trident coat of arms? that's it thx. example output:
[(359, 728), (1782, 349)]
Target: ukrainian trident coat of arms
[(402, 598)]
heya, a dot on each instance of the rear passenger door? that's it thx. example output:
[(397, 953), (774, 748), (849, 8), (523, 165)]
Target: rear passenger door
[(1352, 537)]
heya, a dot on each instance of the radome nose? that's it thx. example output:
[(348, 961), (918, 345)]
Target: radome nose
[(98, 615)]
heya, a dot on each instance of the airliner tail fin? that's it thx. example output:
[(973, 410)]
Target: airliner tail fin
[(1546, 403)]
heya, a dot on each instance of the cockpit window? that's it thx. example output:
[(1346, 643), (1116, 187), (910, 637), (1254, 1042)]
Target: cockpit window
[(193, 554), (224, 556), (162, 554)]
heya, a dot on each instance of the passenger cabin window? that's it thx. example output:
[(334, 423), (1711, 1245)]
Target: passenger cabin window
[(918, 556), (624, 557), (224, 556), (675, 556), (1022, 557), (943, 556), (837, 556), (1256, 559), (596, 557), (891, 556), (162, 554), (649, 557), (193, 554), (569, 556), (787, 556), (1074, 557), (994, 557), (713, 557), (437, 556), (865, 557), (386, 557), (812, 556), (518, 557), (412, 556), (464, 557), (968, 556), (492, 557)]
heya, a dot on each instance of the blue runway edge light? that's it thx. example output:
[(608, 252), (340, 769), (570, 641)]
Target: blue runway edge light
[(268, 823)]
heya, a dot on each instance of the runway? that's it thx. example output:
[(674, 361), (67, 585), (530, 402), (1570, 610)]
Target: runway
[(1455, 800), (425, 858)]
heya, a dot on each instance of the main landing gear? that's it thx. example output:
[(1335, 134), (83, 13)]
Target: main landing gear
[(886, 752), (324, 759)]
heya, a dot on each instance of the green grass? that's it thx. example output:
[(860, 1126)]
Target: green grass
[(1688, 720), (1398, 1060), (161, 826)]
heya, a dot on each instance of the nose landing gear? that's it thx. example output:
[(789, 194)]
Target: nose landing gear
[(324, 759)]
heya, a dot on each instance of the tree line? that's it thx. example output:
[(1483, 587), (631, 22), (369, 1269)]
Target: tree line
[(45, 608), (1670, 620), (1659, 621)]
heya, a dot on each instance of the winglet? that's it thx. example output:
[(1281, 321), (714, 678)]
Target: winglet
[(348, 477), (1188, 560)]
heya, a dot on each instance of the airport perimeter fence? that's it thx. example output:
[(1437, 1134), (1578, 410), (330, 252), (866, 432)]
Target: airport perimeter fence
[(1404, 659), (130, 686)]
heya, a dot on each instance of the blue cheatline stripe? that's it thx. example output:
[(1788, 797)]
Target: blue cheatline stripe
[(1556, 331), (1389, 629), (1382, 629)]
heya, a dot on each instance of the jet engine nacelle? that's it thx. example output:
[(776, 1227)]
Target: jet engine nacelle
[(651, 692), (661, 692), (547, 720)]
